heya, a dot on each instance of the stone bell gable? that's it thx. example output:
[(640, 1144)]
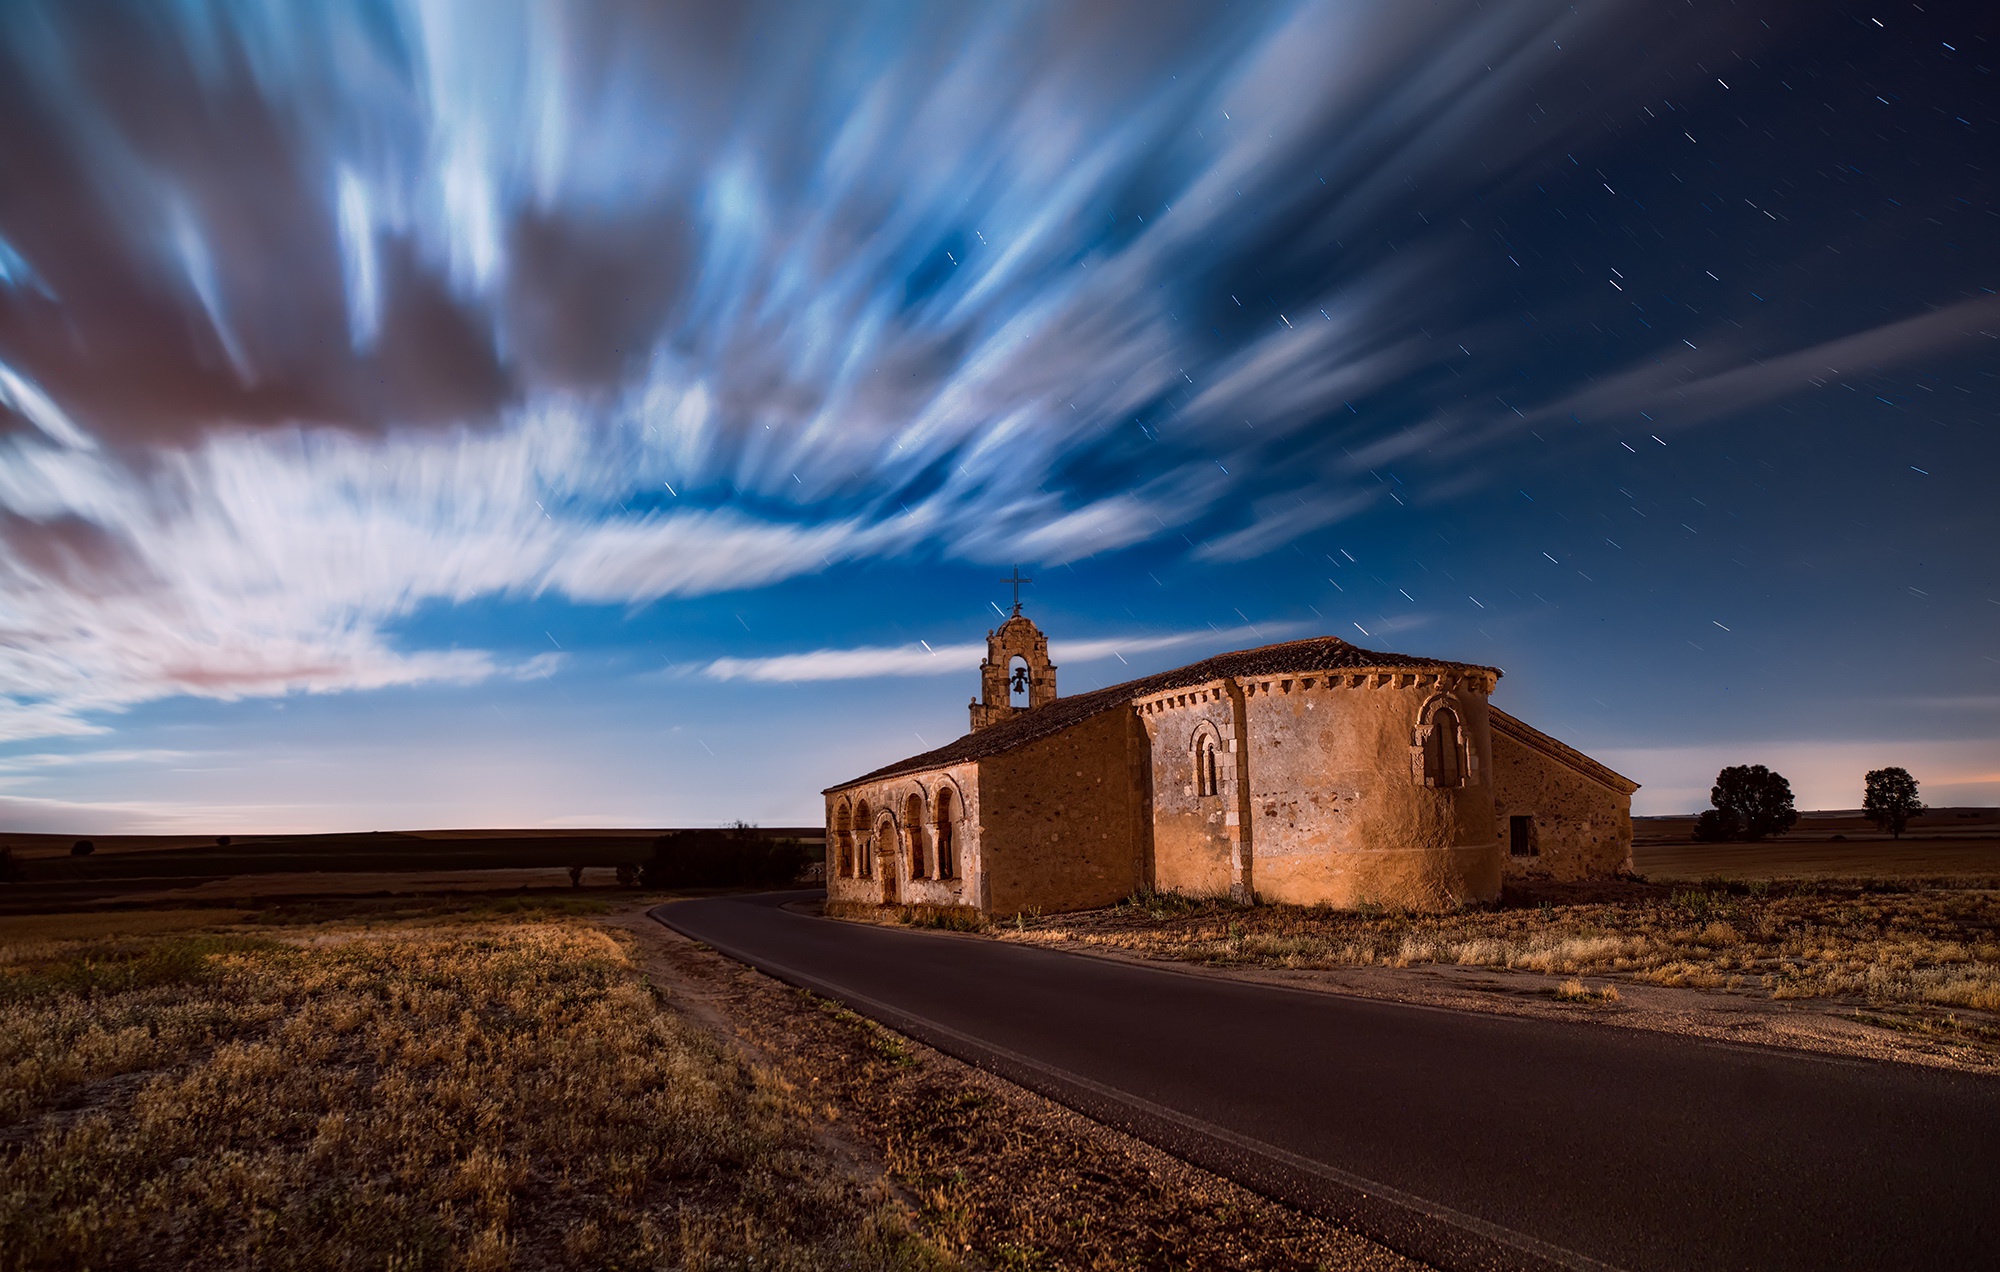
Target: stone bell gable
[(1018, 637), (1312, 772)]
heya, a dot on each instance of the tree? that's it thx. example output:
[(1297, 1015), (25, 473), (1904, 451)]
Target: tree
[(10, 868), (1891, 799), (628, 874), (82, 848), (576, 876), (1757, 800)]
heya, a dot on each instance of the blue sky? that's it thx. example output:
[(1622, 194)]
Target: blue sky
[(433, 414)]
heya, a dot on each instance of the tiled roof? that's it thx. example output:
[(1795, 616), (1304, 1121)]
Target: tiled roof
[(1292, 657), (1561, 752)]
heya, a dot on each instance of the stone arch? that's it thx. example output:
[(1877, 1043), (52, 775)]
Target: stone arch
[(843, 840), (913, 832), (1205, 750), (1440, 753), (947, 807), (864, 836), (886, 838)]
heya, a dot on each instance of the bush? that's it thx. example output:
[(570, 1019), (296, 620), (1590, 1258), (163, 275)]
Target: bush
[(82, 848), (1715, 825), (736, 857)]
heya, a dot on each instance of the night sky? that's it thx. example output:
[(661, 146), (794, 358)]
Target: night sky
[(477, 414)]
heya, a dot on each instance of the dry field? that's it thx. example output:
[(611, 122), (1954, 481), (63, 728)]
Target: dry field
[(444, 1084)]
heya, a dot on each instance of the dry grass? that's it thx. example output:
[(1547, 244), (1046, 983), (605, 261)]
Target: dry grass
[(1935, 946), (484, 1091)]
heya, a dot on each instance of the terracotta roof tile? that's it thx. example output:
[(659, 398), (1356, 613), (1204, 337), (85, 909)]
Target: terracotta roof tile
[(1292, 657)]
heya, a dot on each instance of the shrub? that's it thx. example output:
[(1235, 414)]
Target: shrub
[(738, 856), (82, 848), (628, 874), (1715, 825)]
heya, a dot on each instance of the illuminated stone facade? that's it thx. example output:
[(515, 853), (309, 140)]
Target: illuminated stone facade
[(1311, 772)]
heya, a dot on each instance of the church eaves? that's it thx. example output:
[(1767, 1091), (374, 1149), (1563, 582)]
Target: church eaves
[(1294, 657)]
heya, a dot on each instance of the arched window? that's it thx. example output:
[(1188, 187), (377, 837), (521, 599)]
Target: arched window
[(843, 842), (913, 817), (1207, 770), (947, 857), (1019, 678), (1444, 750), (865, 864)]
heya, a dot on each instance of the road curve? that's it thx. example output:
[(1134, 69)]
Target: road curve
[(1463, 1139)]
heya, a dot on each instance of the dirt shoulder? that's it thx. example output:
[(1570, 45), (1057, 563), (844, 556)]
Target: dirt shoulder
[(990, 1170)]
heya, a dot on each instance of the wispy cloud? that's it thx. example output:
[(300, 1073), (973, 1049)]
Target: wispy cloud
[(621, 303), (869, 662), (1687, 389)]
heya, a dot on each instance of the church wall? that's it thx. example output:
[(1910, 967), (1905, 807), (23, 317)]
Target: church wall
[(1582, 828), (1190, 830), (892, 879), (1062, 822), (1339, 811)]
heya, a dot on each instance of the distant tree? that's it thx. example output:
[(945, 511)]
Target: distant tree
[(576, 876), (82, 848), (1891, 799), (1758, 800), (628, 874), (1716, 825), (10, 866), (222, 841)]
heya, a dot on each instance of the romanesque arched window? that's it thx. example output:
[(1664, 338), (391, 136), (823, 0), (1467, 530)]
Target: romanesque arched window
[(947, 856), (1207, 767), (1441, 745), (843, 842), (913, 818)]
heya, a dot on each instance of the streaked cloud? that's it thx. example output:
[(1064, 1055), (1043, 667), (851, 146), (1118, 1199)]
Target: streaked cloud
[(619, 303), (870, 662)]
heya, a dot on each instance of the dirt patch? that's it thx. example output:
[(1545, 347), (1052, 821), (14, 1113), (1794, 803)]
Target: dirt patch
[(994, 1172)]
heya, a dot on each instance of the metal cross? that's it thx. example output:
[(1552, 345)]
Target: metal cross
[(1017, 580)]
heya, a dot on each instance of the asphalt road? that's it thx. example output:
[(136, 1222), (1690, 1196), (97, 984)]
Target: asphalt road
[(1464, 1139)]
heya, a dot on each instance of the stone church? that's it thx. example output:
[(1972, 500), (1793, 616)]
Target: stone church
[(1309, 772)]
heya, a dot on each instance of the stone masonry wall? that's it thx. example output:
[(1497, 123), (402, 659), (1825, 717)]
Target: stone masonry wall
[(1320, 780), (893, 878), (1191, 831), (1339, 810), (1582, 828), (1063, 818)]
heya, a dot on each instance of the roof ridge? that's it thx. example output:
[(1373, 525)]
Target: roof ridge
[(1337, 653)]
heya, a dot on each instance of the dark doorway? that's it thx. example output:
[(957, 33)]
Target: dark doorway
[(1521, 836)]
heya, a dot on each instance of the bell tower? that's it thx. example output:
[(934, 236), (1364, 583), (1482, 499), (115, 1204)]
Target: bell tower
[(1018, 637)]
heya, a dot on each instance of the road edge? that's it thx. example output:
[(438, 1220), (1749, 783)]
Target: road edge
[(1410, 1225)]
